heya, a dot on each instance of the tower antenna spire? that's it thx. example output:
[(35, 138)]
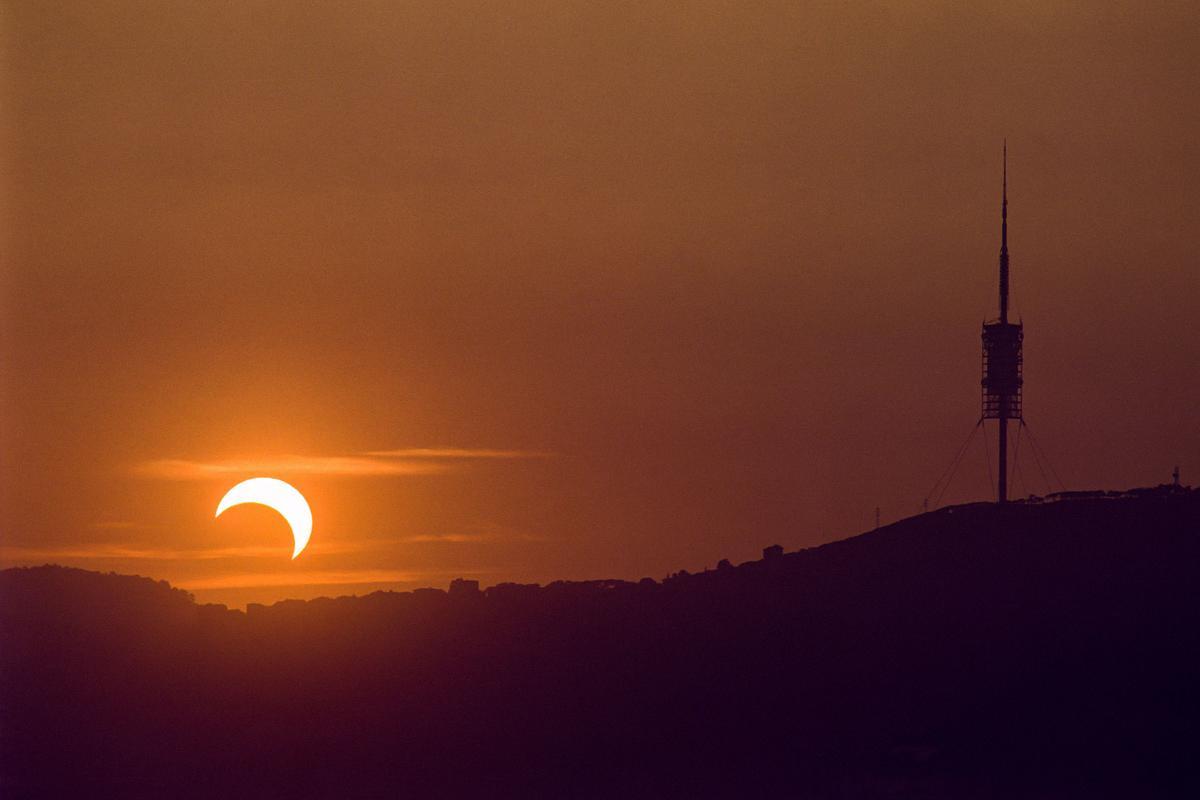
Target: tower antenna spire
[(1004, 240)]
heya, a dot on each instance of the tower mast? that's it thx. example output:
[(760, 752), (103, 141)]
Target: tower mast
[(1002, 379), (1002, 483)]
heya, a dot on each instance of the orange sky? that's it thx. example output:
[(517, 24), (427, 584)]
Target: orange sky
[(536, 290)]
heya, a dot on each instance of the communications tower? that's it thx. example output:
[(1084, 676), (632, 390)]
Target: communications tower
[(1002, 340)]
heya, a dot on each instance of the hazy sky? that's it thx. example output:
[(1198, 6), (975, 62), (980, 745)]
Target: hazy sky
[(535, 290)]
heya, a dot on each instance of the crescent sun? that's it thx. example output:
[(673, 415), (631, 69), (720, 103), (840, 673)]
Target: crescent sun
[(276, 494)]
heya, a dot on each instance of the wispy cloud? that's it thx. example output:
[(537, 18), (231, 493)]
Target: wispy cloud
[(119, 551), (408, 461), (457, 538), (317, 578), (456, 452), (108, 552), (184, 470), (445, 537)]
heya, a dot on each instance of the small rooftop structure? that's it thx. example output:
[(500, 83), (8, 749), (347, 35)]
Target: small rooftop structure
[(774, 551), (461, 587)]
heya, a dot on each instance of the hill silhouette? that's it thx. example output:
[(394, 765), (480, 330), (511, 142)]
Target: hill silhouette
[(1042, 650)]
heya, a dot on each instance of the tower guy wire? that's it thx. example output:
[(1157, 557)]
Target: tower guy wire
[(1040, 455), (943, 482)]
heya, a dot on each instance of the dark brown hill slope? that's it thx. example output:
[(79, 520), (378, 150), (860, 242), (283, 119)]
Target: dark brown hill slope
[(1043, 650)]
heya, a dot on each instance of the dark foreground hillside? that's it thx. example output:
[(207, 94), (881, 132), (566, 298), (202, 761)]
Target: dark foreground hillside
[(1025, 651)]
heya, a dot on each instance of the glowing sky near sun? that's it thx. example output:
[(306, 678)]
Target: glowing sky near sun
[(571, 290)]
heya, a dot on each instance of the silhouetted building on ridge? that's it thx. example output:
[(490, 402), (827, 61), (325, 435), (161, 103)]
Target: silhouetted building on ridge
[(462, 587), (512, 591), (774, 551)]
